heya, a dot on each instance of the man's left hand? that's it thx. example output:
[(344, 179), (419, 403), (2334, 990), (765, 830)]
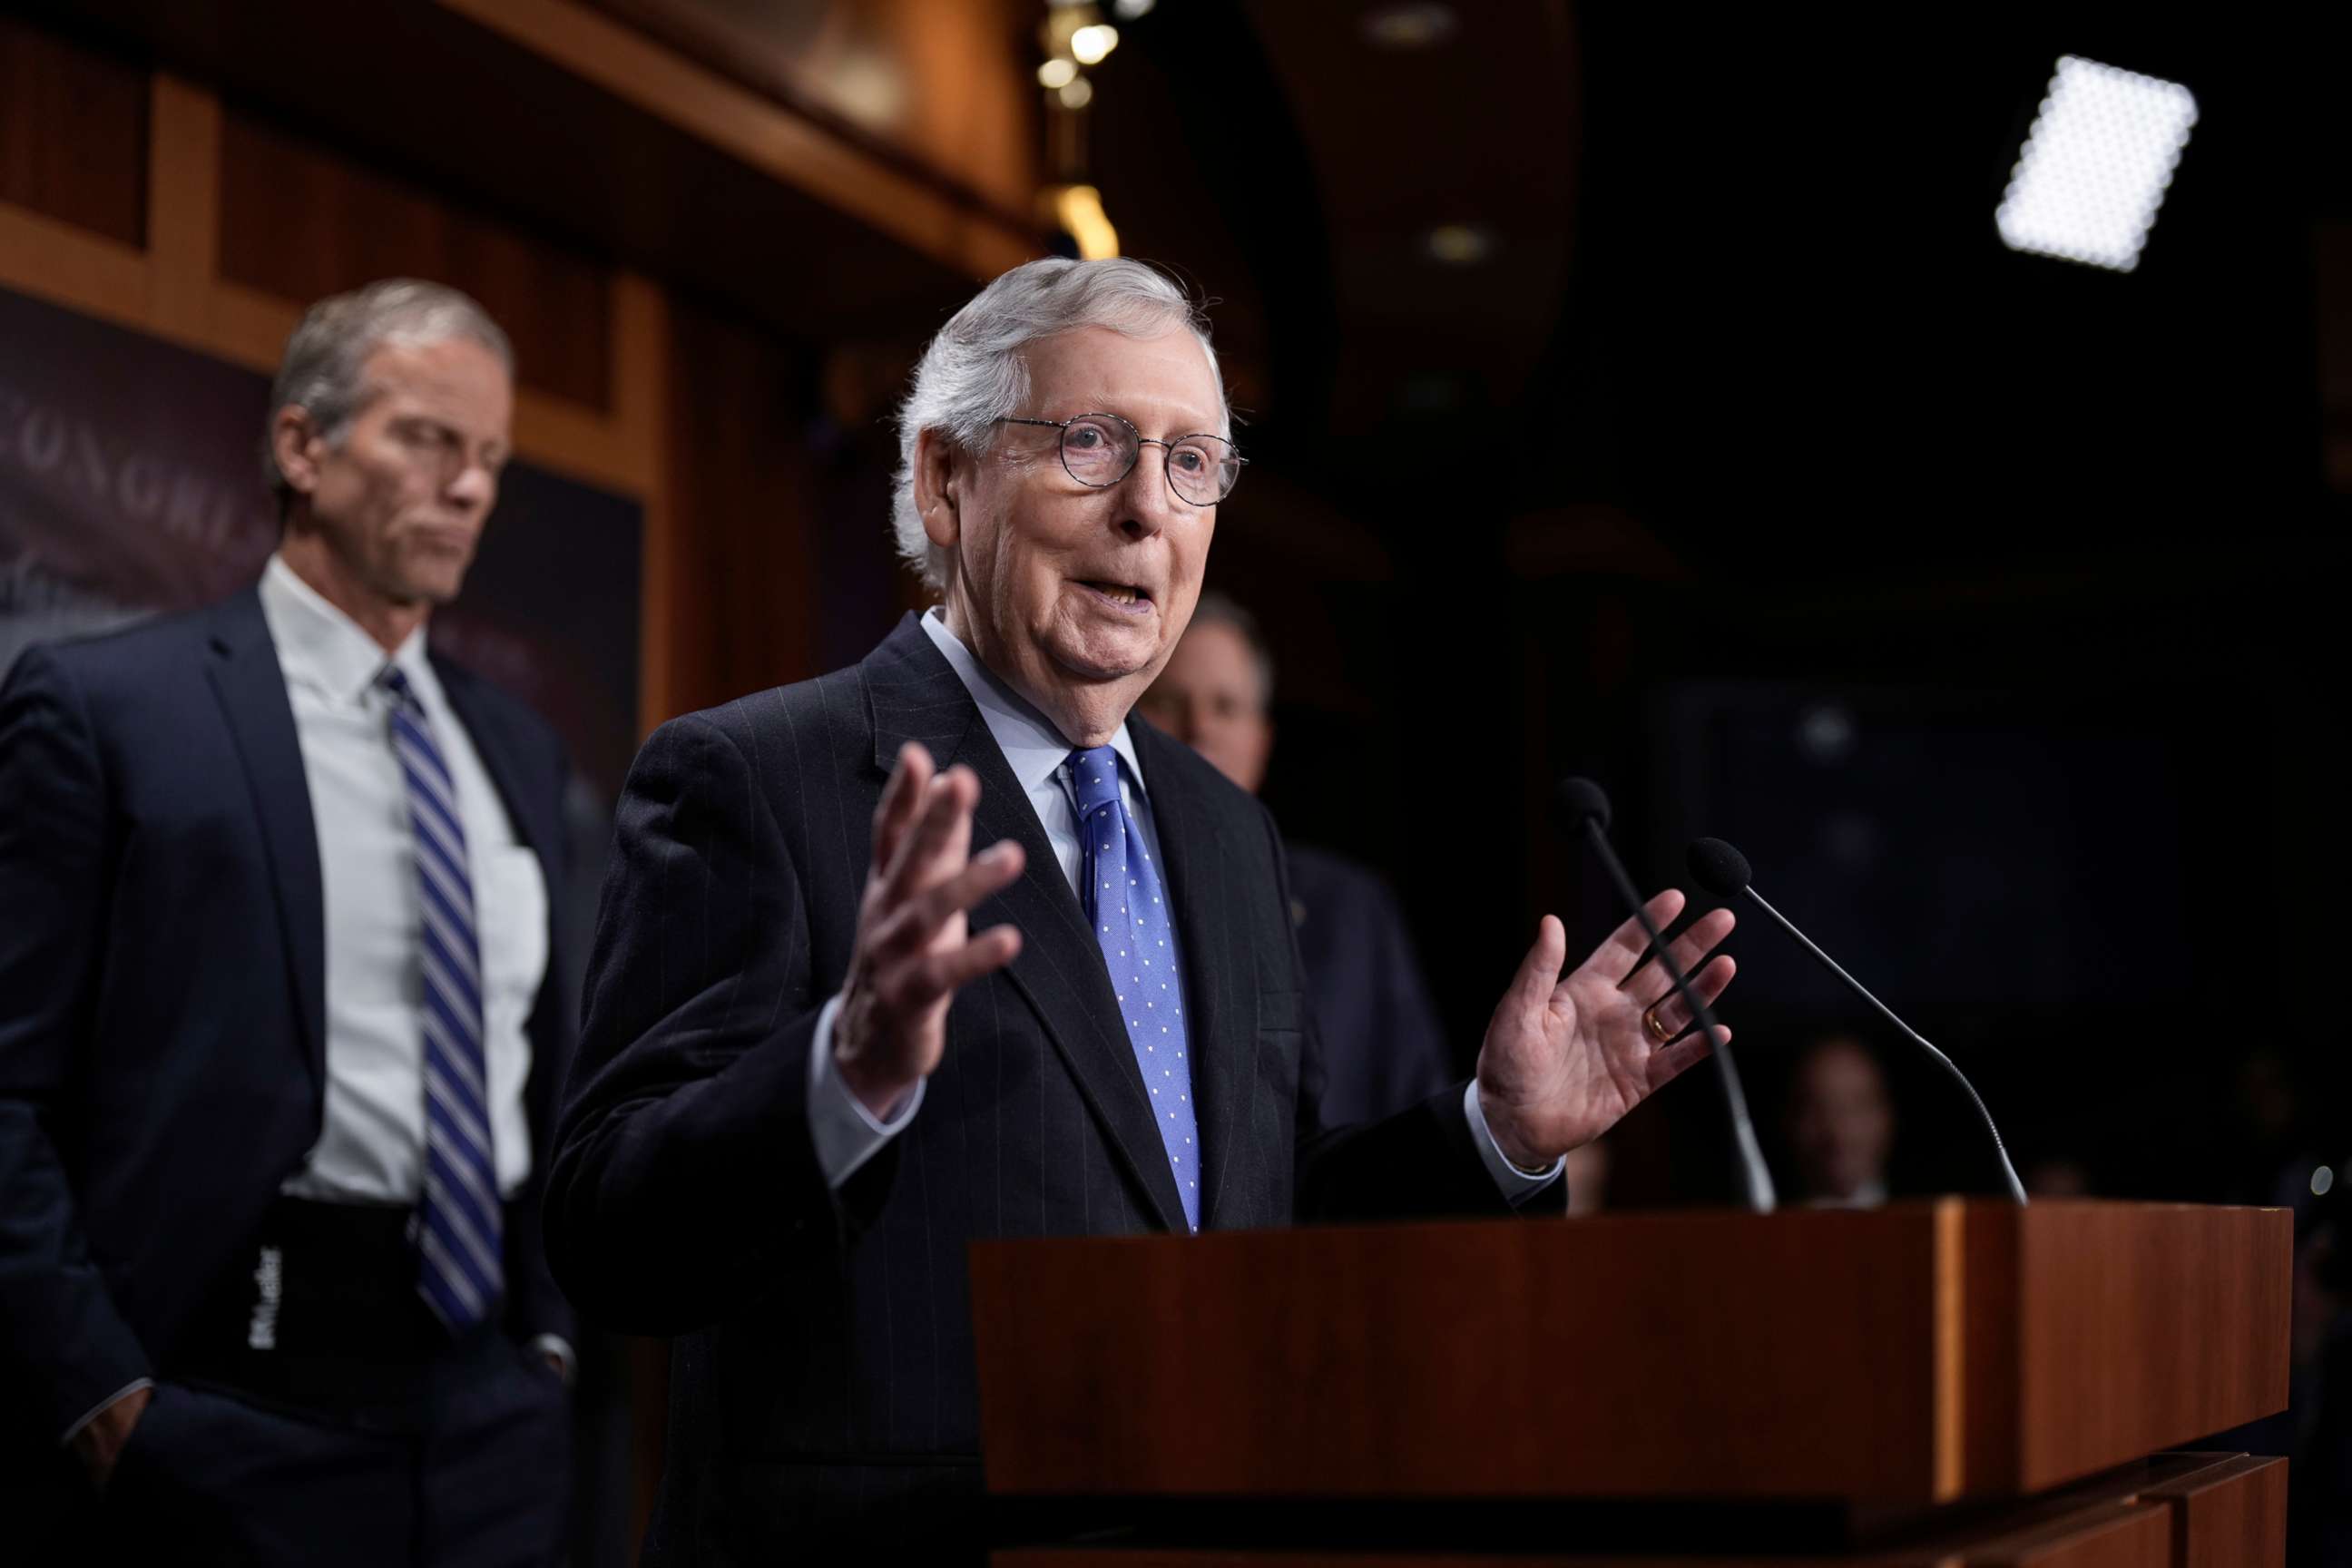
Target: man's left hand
[(1565, 1059)]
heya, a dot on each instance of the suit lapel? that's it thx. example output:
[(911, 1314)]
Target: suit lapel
[(1220, 970), (494, 744), (251, 689), (914, 695)]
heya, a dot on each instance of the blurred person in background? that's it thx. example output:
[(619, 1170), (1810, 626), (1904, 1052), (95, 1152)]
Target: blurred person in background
[(281, 1020), (1587, 1178), (1840, 1124), (1383, 1046), (2058, 1176)]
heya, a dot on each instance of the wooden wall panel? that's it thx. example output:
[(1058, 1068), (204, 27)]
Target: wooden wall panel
[(300, 223), (738, 556), (96, 177)]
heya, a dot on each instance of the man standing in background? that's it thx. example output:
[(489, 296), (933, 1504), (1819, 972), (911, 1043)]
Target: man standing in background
[(1383, 1046), (281, 1020), (1841, 1124)]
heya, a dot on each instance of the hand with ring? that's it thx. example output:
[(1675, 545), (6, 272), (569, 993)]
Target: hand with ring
[(1567, 1056)]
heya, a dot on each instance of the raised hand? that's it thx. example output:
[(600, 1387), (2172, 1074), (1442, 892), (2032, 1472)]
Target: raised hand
[(1564, 1060), (914, 949)]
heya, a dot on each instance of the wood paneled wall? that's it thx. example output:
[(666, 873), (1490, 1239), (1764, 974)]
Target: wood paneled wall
[(145, 199), (96, 178)]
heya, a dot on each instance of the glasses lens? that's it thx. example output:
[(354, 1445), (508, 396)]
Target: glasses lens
[(1097, 449), (1203, 468)]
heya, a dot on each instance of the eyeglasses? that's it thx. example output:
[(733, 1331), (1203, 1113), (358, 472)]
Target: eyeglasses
[(1098, 450)]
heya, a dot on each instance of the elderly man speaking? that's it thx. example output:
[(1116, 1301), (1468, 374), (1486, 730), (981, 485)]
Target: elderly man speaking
[(828, 1044)]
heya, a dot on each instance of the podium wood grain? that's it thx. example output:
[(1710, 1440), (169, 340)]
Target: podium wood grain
[(1891, 1359)]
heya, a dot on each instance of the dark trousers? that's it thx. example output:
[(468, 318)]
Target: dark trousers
[(213, 1477), (314, 1412)]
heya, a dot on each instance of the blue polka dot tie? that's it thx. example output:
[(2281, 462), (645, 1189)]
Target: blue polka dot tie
[(1127, 908)]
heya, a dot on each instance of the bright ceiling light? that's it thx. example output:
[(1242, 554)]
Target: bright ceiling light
[(1078, 210), (1055, 74), (2096, 164), (1090, 44), (1128, 10)]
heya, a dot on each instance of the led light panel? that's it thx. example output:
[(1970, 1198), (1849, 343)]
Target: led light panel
[(2096, 164)]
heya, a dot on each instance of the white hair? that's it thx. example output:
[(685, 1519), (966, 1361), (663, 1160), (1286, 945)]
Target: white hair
[(972, 374), (324, 368)]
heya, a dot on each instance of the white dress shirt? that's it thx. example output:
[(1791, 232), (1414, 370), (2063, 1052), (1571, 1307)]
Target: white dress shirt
[(846, 1134), (371, 1148)]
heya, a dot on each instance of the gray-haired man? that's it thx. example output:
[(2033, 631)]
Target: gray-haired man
[(279, 1021), (828, 1044)]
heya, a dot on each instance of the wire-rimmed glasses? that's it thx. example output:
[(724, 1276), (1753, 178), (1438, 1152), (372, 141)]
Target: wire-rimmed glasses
[(1098, 450)]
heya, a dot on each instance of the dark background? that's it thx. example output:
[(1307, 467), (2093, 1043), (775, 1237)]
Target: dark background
[(1750, 431)]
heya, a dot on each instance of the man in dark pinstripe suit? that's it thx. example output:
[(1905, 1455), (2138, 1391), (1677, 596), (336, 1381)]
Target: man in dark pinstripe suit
[(826, 1045)]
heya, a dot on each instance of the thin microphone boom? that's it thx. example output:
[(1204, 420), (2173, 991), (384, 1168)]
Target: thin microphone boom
[(1723, 870), (1582, 802)]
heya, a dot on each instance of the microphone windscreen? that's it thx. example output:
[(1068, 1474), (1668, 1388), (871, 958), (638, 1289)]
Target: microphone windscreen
[(1719, 868), (1578, 800)]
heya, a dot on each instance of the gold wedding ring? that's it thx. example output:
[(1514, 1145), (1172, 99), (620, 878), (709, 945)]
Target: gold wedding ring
[(1654, 1026)]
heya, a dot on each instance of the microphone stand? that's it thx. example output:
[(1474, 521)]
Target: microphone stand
[(2000, 1152), (1756, 1181)]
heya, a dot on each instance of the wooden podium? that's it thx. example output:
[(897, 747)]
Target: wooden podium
[(1956, 1381)]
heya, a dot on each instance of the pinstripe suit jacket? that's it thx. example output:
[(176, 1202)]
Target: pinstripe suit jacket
[(823, 1389)]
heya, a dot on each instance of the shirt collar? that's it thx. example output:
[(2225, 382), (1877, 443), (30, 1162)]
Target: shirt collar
[(322, 647), (1032, 747)]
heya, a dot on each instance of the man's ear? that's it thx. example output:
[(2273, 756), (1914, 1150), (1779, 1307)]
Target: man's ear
[(294, 442), (938, 489)]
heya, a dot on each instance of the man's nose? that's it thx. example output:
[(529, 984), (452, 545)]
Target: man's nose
[(472, 487), (1146, 504)]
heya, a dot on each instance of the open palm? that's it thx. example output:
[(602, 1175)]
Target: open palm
[(1567, 1056)]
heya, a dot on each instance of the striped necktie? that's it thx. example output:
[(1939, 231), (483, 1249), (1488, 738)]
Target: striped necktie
[(1126, 905), (459, 1271)]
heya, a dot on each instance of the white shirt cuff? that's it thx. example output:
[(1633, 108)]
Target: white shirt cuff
[(567, 1362), (846, 1133), (103, 1406), (1513, 1182)]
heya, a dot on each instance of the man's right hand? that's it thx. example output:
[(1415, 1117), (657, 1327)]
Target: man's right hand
[(914, 949), (99, 1442)]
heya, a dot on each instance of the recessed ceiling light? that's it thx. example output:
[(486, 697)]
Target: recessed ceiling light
[(1460, 244), (2095, 165), (1409, 27)]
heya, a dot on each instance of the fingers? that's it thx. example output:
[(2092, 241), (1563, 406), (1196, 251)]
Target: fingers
[(1669, 1064), (991, 951), (1617, 957), (1708, 983), (901, 797), (1690, 949), (1539, 970), (939, 838), (911, 925), (906, 988)]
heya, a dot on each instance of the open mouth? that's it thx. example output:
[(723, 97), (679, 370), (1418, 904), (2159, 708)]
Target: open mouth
[(1125, 596)]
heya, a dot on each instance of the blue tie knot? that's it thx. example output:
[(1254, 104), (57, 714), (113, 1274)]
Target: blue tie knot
[(396, 681), (1095, 774)]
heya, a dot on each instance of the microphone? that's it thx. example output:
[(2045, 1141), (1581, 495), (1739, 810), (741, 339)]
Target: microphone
[(1725, 872), (1580, 806)]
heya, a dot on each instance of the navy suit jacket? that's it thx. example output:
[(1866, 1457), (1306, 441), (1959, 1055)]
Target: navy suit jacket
[(1385, 1047), (822, 1397), (162, 990)]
